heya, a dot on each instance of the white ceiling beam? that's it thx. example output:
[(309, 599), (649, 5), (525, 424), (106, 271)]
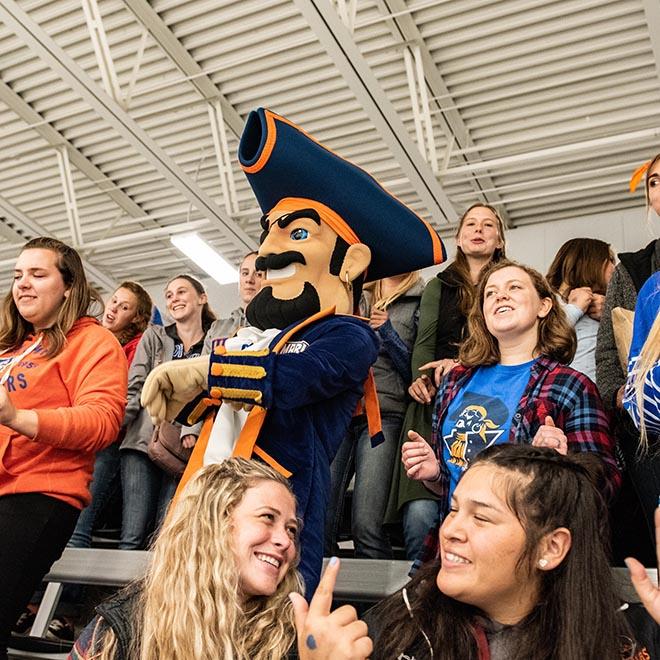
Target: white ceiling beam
[(337, 41), (404, 27), (222, 158), (652, 11), (139, 237), (27, 228), (102, 49), (551, 152), (111, 112), (175, 50), (53, 137), (70, 203)]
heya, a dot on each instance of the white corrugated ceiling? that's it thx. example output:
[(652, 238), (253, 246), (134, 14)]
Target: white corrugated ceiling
[(541, 108)]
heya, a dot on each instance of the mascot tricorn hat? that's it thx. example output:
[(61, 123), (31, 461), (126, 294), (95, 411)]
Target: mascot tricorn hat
[(286, 166)]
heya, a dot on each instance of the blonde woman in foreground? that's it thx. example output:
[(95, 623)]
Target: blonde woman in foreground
[(222, 568)]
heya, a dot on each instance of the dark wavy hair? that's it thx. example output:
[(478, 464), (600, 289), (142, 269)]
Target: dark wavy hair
[(576, 612), (556, 338), (83, 300)]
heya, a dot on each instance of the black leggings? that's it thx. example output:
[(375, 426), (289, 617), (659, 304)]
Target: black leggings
[(34, 529)]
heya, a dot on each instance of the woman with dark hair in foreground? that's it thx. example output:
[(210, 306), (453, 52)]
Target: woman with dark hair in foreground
[(523, 573)]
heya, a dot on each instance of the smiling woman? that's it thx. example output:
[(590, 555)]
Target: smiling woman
[(223, 566), (62, 397), (523, 571), (512, 385), (146, 488)]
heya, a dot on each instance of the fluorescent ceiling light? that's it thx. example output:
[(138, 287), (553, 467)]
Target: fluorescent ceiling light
[(199, 251)]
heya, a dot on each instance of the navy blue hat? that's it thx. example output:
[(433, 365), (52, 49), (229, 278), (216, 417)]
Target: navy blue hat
[(285, 165)]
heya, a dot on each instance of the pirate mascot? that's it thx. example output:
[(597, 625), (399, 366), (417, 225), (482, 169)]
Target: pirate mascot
[(301, 367)]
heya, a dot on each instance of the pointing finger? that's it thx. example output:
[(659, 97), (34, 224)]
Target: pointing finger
[(322, 599)]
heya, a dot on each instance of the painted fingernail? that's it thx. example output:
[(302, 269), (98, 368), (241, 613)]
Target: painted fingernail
[(311, 642), (333, 561)]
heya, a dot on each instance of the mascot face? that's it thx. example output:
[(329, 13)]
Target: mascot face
[(305, 271)]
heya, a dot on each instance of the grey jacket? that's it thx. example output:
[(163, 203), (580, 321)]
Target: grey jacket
[(156, 346), (633, 269), (224, 328)]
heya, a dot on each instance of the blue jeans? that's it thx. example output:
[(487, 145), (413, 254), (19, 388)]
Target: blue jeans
[(106, 470), (147, 491), (418, 518), (373, 471)]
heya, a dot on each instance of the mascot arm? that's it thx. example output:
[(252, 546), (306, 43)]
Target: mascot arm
[(171, 385), (330, 364)]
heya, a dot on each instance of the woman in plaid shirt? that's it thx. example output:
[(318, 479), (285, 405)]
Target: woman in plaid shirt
[(512, 385)]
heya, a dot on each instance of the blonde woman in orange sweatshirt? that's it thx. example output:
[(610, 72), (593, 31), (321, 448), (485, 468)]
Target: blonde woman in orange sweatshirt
[(62, 399)]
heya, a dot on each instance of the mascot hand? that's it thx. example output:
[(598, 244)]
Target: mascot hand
[(171, 385)]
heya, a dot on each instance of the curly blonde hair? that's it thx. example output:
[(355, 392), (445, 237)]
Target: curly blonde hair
[(556, 338), (189, 604)]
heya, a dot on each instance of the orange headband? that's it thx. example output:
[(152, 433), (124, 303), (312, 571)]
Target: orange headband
[(330, 217)]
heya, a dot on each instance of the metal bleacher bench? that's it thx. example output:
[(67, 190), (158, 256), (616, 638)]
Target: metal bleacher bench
[(359, 580)]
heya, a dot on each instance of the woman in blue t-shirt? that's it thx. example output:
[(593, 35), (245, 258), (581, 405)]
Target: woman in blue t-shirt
[(512, 385)]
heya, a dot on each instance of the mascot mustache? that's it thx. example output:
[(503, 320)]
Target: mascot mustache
[(280, 260)]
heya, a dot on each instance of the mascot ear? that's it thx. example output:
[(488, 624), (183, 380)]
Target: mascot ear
[(356, 261)]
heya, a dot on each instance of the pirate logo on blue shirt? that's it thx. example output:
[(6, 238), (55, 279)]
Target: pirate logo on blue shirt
[(477, 426)]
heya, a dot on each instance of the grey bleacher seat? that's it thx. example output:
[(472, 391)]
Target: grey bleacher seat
[(359, 580)]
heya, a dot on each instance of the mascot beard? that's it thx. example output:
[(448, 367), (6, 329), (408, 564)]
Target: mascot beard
[(266, 311)]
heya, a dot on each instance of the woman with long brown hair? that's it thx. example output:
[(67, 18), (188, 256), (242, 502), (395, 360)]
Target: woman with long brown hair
[(223, 566), (126, 315), (146, 488), (512, 385), (523, 573), (62, 398), (443, 312), (580, 273)]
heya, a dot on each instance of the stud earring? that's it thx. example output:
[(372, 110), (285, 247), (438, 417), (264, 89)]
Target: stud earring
[(543, 562)]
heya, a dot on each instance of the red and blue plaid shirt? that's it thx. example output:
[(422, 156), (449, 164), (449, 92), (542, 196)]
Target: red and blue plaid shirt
[(553, 389)]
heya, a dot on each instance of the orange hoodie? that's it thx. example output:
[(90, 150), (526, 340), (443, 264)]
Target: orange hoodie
[(79, 397)]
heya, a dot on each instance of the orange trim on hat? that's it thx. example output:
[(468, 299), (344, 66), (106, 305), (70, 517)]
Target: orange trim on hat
[(271, 138), (438, 257), (638, 175), (268, 150), (330, 217)]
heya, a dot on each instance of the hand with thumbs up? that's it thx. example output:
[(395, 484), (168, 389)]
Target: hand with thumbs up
[(325, 635), (551, 436), (648, 592)]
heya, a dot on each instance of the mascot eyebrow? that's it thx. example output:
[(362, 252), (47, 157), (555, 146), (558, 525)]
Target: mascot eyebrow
[(288, 218)]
